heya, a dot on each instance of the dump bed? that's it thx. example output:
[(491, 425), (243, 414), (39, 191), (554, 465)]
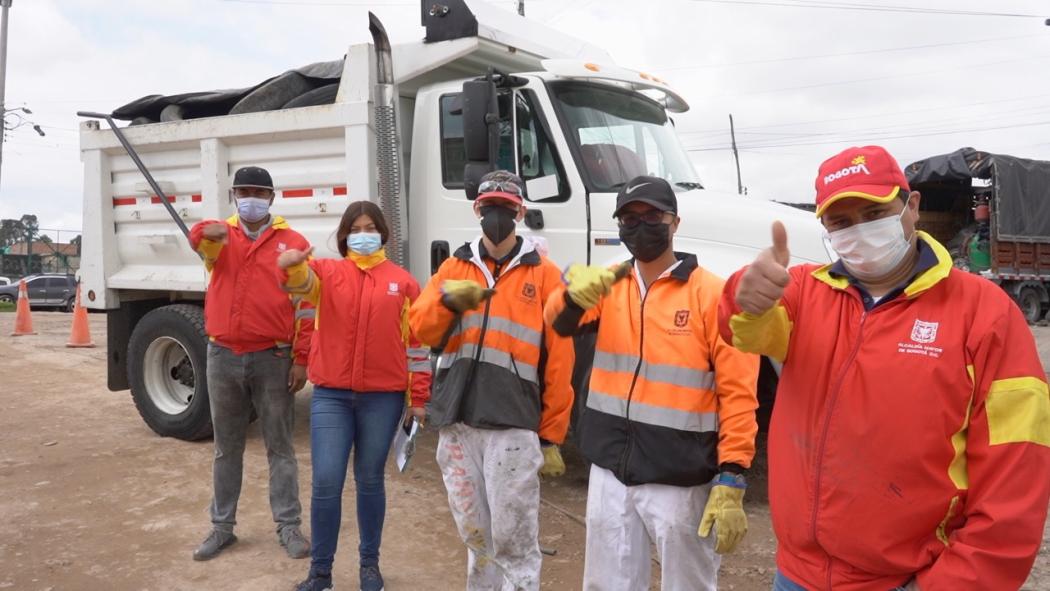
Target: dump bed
[(318, 157)]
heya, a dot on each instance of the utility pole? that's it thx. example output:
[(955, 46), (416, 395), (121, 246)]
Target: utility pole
[(3, 70), (521, 7), (736, 157)]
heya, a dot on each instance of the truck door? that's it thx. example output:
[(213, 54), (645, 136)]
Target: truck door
[(529, 145)]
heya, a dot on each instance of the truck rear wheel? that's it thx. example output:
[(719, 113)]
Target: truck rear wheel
[(1031, 304), (167, 357)]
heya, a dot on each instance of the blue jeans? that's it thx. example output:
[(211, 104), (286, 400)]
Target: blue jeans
[(339, 421), (782, 583)]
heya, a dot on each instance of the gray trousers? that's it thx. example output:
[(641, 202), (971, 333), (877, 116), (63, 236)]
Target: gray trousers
[(236, 383)]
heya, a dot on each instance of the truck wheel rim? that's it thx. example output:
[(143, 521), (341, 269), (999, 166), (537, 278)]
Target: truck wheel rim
[(168, 375)]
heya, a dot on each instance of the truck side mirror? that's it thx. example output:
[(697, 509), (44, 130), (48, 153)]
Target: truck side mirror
[(480, 132)]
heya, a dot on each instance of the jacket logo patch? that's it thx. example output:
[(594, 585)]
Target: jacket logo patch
[(528, 290), (681, 318), (922, 335), (392, 288), (924, 332), (281, 247)]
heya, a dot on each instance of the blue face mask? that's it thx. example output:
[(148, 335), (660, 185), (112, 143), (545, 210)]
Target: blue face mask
[(253, 209), (364, 243)]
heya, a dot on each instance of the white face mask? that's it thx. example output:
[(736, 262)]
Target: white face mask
[(873, 249)]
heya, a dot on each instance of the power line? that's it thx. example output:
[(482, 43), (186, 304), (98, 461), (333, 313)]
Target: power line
[(896, 137), (877, 115), (843, 54), (889, 77), (931, 125), (871, 8)]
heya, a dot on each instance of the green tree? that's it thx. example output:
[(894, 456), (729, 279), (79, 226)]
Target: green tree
[(31, 227), (11, 233)]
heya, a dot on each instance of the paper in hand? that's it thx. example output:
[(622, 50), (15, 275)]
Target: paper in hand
[(405, 442)]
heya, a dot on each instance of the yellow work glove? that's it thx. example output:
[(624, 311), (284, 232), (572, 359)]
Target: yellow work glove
[(553, 465), (725, 509), (587, 284), (461, 295)]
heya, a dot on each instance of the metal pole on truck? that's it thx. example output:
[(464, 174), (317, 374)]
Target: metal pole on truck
[(142, 167)]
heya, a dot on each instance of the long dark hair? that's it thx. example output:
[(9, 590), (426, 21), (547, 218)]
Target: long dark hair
[(354, 211)]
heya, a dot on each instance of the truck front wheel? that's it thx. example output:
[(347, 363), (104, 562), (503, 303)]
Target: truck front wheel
[(167, 356)]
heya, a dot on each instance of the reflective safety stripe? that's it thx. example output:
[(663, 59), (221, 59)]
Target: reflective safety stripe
[(419, 365), (518, 331), (681, 420), (417, 352), (675, 375), (494, 356), (305, 313)]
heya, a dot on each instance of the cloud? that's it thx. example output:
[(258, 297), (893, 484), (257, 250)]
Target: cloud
[(790, 114)]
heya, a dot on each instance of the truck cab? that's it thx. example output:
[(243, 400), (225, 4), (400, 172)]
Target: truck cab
[(576, 134)]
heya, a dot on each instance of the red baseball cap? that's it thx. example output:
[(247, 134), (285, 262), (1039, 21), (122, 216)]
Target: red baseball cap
[(869, 173)]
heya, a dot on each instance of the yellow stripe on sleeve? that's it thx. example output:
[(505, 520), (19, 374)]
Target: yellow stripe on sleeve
[(767, 334), (1018, 411)]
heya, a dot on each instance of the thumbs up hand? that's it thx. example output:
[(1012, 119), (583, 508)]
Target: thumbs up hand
[(763, 283)]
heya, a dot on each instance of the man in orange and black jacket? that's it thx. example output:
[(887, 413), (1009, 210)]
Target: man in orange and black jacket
[(502, 393), (670, 420)]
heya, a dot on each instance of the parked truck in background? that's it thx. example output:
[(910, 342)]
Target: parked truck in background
[(992, 211), (484, 89)]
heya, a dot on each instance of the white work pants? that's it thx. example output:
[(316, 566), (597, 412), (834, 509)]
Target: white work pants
[(494, 492), (622, 522)]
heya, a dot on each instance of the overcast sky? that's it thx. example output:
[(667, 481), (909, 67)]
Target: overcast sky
[(802, 83)]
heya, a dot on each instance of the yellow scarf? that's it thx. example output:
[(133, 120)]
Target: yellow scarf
[(367, 261)]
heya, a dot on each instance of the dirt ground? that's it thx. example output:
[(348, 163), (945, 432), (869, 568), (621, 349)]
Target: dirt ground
[(90, 498)]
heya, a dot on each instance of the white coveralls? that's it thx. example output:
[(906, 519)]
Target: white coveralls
[(494, 492), (622, 521)]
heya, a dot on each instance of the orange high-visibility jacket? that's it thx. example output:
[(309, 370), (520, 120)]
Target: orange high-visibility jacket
[(500, 367), (362, 340), (669, 401), (912, 437), (245, 308)]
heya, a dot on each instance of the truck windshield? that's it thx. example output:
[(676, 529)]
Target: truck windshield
[(620, 134)]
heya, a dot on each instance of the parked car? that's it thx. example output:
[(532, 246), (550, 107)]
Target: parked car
[(5, 281), (45, 291)]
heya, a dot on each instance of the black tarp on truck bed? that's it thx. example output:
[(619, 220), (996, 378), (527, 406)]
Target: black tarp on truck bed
[(1021, 188), (219, 102)]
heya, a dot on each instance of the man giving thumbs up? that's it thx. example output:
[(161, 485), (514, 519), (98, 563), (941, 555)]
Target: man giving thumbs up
[(911, 400)]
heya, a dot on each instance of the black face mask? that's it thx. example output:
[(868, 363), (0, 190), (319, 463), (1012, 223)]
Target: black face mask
[(497, 222), (646, 241)]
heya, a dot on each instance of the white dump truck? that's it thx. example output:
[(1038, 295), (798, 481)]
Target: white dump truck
[(412, 126)]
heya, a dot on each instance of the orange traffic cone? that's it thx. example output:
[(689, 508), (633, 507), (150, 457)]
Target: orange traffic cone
[(23, 320), (80, 336)]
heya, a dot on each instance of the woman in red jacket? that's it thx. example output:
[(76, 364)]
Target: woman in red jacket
[(364, 362)]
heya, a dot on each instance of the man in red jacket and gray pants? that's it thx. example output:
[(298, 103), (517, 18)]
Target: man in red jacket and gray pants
[(259, 342), (910, 442)]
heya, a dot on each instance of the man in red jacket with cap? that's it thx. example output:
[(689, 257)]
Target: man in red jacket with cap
[(259, 342), (910, 442)]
